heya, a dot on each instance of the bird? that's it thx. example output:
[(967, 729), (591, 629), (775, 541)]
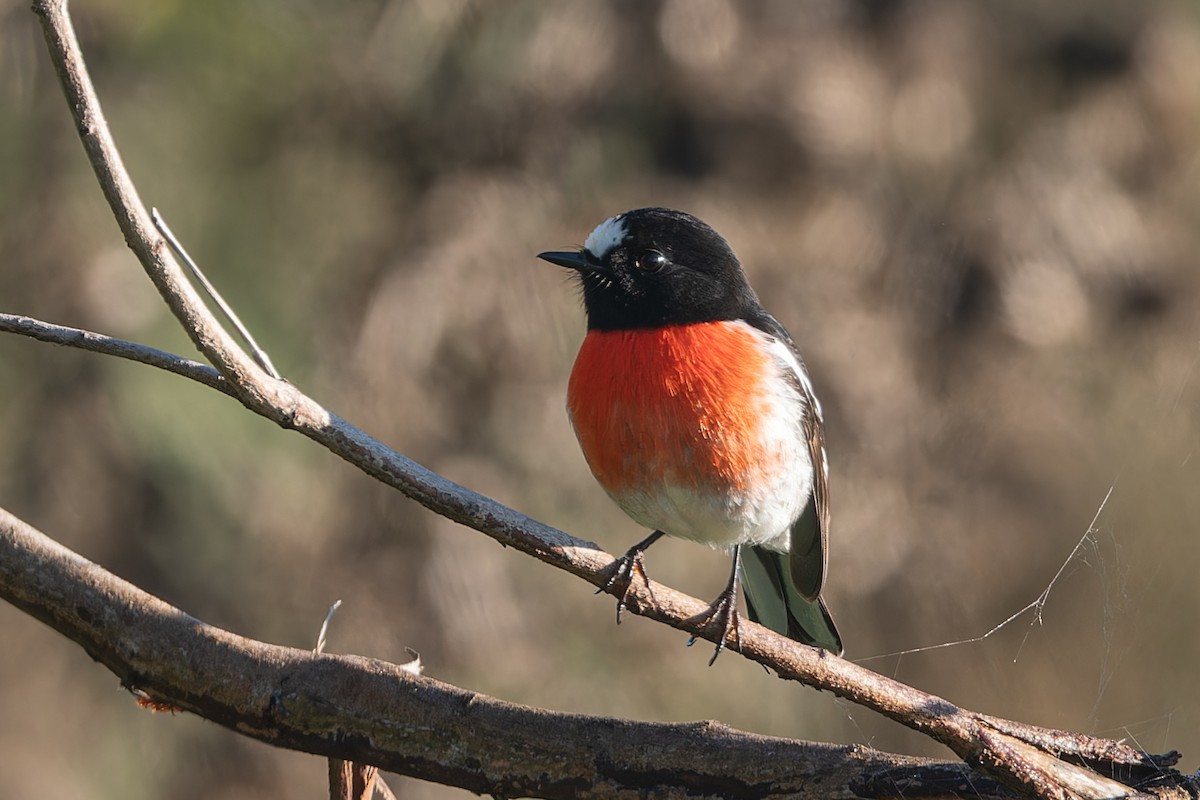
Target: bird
[(696, 415)]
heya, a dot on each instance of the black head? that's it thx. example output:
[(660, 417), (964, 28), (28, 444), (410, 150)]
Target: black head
[(654, 266)]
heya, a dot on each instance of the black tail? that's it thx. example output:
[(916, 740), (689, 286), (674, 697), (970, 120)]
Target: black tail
[(773, 600)]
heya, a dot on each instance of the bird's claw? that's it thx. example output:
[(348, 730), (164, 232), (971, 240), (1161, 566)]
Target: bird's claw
[(626, 568), (723, 610)]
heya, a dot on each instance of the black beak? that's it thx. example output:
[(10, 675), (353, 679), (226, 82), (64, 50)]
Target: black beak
[(569, 259)]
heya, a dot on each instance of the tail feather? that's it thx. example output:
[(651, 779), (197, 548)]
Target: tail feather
[(773, 599)]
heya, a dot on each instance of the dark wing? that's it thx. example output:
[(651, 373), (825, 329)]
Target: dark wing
[(772, 599), (810, 533)]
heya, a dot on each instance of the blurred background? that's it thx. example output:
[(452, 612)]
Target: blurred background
[(979, 221)]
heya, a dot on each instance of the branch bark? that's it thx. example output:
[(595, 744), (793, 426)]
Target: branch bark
[(373, 712), (119, 348), (1024, 758)]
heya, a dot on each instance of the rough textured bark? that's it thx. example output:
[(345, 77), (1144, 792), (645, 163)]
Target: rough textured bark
[(372, 712)]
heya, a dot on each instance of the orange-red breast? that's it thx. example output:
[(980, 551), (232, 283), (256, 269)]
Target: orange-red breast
[(696, 415)]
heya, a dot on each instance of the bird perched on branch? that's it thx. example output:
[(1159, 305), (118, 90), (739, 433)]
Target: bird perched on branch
[(696, 415)]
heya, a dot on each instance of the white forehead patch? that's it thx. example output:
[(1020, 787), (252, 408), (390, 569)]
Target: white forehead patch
[(608, 234)]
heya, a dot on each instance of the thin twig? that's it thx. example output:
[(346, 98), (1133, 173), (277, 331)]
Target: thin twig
[(110, 346), (259, 354), (320, 648), (1037, 605)]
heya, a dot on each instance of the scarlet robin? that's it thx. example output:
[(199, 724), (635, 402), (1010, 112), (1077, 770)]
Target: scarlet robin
[(696, 415)]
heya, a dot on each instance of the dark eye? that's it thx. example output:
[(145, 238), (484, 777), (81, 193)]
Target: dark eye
[(651, 261)]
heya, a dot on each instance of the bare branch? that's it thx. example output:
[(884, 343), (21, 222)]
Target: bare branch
[(132, 217), (259, 354), (372, 712), (107, 345)]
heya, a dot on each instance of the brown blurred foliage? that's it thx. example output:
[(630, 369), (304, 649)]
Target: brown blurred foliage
[(978, 220)]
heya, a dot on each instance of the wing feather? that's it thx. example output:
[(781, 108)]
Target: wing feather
[(810, 533)]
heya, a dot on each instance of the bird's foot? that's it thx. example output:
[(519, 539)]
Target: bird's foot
[(626, 568), (723, 611)]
